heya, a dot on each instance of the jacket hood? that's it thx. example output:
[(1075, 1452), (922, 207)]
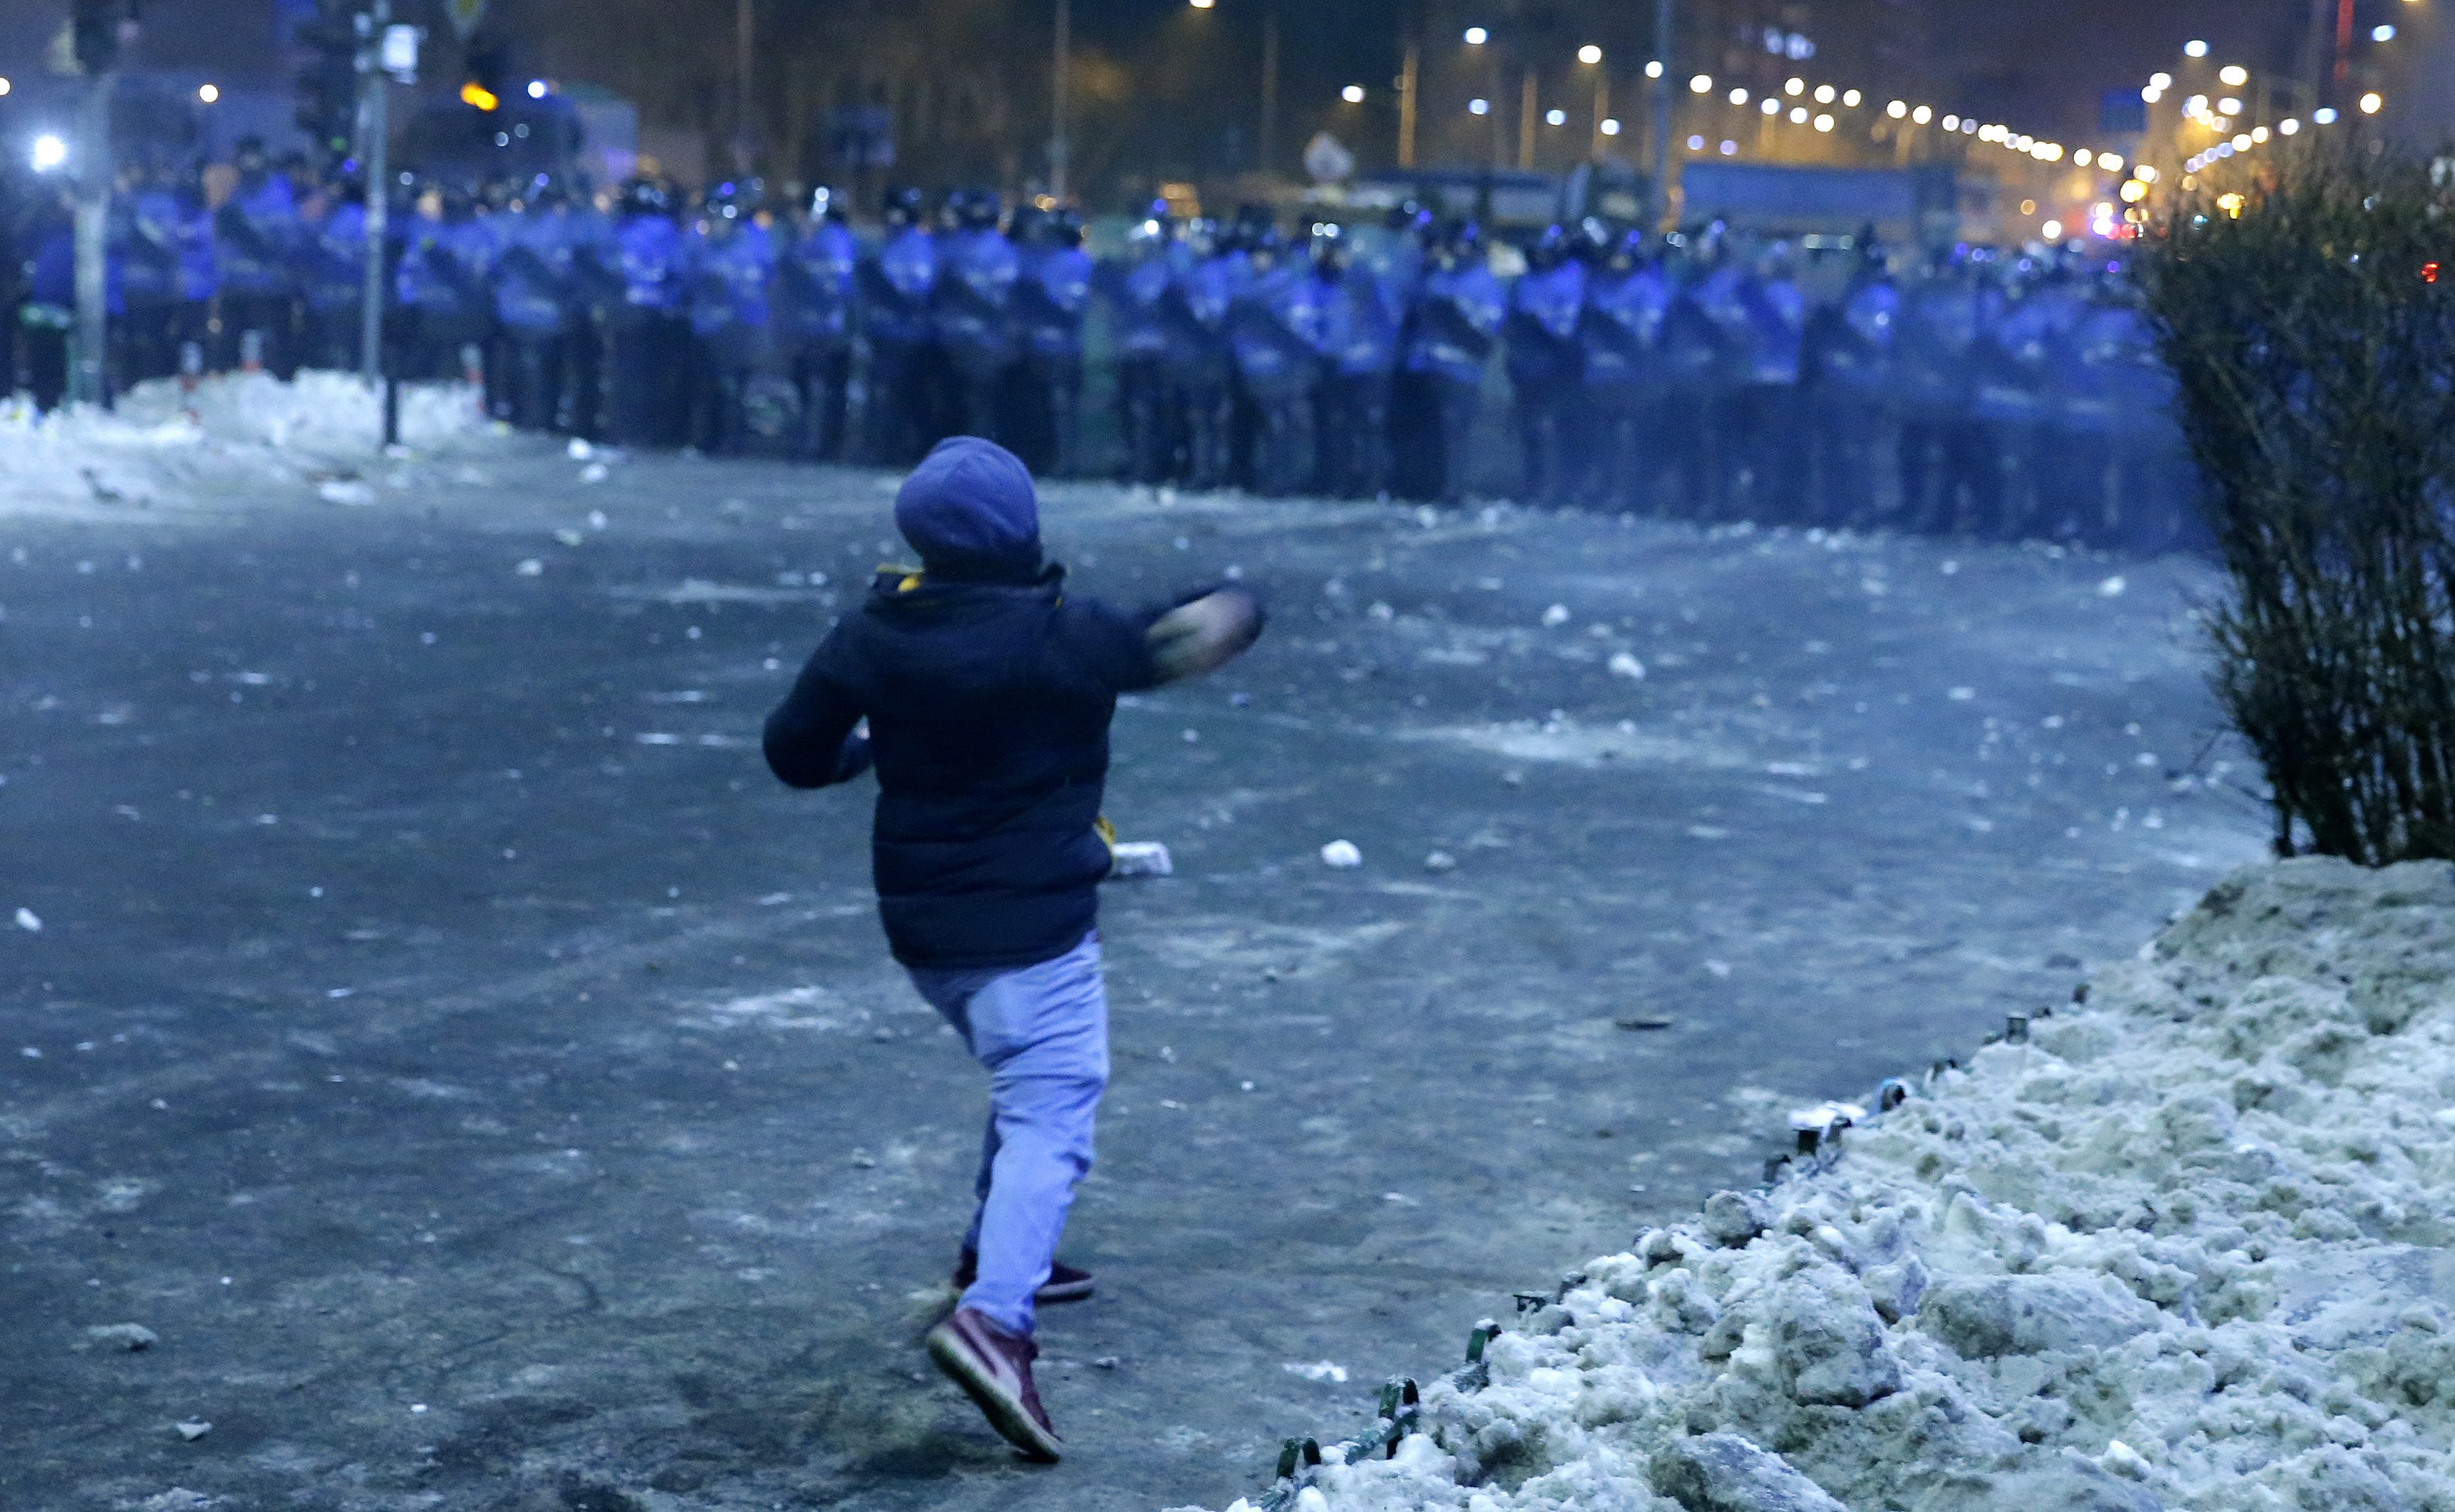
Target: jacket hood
[(970, 511)]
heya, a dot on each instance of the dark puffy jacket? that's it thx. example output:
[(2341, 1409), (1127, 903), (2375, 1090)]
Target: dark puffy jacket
[(989, 705)]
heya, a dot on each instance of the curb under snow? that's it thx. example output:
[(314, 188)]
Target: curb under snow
[(2185, 1248)]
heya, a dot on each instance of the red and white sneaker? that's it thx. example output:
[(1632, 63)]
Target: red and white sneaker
[(1064, 1283), (994, 1369)]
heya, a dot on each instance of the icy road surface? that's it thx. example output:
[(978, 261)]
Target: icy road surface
[(424, 1013)]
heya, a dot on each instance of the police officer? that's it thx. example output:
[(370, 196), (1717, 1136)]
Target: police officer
[(815, 290), (1052, 298), (972, 311), (257, 234), (440, 286), (1274, 331), (729, 262), (336, 289), (1619, 335), (1201, 366), (897, 285), (1139, 333), (536, 303), (1851, 375), (645, 345), (144, 238), (1545, 365), (1367, 315), (1456, 320)]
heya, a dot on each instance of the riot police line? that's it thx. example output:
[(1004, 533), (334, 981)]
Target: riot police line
[(1707, 374)]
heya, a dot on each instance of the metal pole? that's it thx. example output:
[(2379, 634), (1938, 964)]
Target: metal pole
[(1525, 122), (1057, 144), (1407, 74), (375, 152), (1602, 107), (1661, 191), (1269, 86), (95, 172), (741, 139)]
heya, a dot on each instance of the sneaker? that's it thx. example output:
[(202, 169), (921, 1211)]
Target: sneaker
[(994, 1369), (1064, 1283)]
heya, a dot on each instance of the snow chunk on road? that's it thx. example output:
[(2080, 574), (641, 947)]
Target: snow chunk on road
[(2186, 1247)]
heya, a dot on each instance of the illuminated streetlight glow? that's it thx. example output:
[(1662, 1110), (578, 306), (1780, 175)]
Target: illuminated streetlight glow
[(1922, 114), (1701, 83), (2288, 127), (2241, 142), (1738, 96), (1589, 53), (2052, 231), (4, 86), (2111, 162), (1610, 127), (1653, 69), (1479, 107), (536, 88), (1851, 98), (1772, 106), (1201, 4), (1898, 109), (2195, 49), (1476, 36), (1555, 117), (1695, 144), (1729, 149), (2382, 33), (49, 152), (2161, 81), (2228, 105), (209, 92), (2234, 75), (1952, 123), (2084, 158), (1798, 116), (1825, 94), (2372, 103), (1353, 95), (2258, 134), (1794, 86), (2324, 115), (1824, 123)]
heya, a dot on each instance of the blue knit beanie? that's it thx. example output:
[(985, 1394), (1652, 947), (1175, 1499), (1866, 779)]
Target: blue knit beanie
[(970, 511)]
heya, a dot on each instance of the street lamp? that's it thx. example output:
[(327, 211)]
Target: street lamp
[(1476, 36), (1590, 55), (1352, 94)]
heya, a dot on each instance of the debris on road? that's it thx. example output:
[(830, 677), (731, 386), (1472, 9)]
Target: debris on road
[(130, 1336), (1342, 854), (192, 1428), (30, 921), (1135, 859)]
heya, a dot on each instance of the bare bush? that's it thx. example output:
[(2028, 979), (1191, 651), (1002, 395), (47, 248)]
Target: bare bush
[(2312, 337)]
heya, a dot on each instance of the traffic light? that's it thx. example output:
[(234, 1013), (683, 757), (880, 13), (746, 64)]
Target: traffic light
[(327, 77)]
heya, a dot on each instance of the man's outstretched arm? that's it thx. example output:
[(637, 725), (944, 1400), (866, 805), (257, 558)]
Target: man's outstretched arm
[(813, 738)]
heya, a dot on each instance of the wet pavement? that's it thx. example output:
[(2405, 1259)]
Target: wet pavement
[(493, 1091)]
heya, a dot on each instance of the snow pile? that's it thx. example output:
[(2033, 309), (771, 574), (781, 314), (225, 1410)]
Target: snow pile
[(2183, 1248), (160, 442)]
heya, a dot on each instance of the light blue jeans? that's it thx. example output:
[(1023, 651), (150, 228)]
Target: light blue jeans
[(1043, 1033)]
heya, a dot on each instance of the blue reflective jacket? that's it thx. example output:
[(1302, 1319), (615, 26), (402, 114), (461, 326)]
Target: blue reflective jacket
[(815, 283), (649, 247), (145, 235), (1276, 327), (896, 286), (442, 272), (1054, 292), (1619, 332), (1457, 317), (336, 275), (532, 254), (975, 296), (1368, 314), (257, 231), (728, 278), (1138, 320), (1543, 312)]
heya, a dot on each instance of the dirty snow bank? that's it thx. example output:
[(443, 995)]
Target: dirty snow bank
[(2186, 1248), (161, 447)]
